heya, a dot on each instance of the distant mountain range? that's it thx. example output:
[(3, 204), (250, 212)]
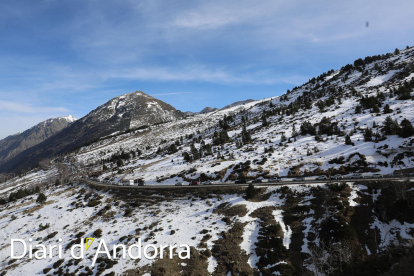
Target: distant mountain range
[(122, 113), (60, 135), (15, 144)]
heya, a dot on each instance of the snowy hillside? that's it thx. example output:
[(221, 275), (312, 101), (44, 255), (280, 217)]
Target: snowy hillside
[(332, 124), (280, 230)]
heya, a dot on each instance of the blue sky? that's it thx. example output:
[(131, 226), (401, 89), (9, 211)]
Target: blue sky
[(61, 57)]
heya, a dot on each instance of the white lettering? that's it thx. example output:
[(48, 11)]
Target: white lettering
[(42, 251), (99, 251), (60, 249), (12, 256), (162, 251), (81, 254), (171, 250), (51, 251), (187, 251), (147, 255), (123, 248), (138, 246)]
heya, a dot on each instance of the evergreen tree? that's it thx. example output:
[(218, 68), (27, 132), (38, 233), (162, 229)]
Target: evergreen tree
[(41, 199), (321, 105), (186, 157), (194, 152), (387, 109), (220, 138), (119, 163), (264, 121), (172, 149), (358, 109), (246, 137), (390, 126), (251, 191), (348, 140), (307, 128), (368, 135), (294, 132), (326, 126), (375, 109), (407, 129)]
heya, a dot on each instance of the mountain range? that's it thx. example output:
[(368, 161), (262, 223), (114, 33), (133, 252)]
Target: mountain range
[(334, 105), (15, 144), (122, 113)]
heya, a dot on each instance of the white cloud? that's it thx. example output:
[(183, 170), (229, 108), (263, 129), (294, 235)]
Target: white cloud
[(212, 15), (173, 93), (202, 74), (26, 108)]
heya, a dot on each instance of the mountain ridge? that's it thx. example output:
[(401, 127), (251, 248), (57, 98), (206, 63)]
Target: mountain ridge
[(332, 94), (119, 114), (14, 144)]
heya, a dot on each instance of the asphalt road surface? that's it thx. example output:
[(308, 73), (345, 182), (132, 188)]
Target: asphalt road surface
[(232, 184)]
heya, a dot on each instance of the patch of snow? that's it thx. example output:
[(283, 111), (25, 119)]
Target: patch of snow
[(378, 80), (287, 232)]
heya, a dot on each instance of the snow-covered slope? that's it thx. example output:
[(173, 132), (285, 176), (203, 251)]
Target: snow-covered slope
[(222, 227), (351, 101)]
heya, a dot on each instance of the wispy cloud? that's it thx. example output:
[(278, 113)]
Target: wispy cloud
[(26, 108), (201, 73), (213, 15), (174, 93)]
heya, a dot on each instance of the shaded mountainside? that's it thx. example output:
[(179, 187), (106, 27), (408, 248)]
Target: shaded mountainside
[(120, 114), (15, 144)]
